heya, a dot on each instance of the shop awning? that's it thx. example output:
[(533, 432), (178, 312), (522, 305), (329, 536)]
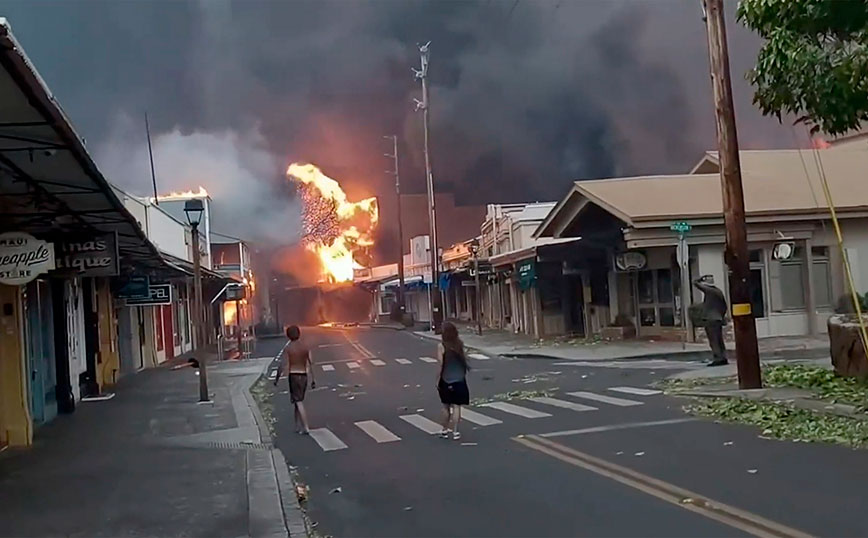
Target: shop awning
[(49, 185)]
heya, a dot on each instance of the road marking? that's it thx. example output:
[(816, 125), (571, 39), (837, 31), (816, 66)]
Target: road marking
[(327, 440), (403, 361), (365, 351), (328, 368), (563, 403), (686, 499), (377, 362), (636, 391), (377, 431), (353, 365), (427, 359), (427, 426), (621, 426), (478, 418), (331, 345), (479, 356), (605, 399), (516, 410)]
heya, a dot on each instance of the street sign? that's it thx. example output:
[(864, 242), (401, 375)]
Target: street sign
[(680, 227), (236, 293), (158, 294)]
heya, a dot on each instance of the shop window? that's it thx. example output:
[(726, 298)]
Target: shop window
[(656, 298), (386, 303), (822, 277)]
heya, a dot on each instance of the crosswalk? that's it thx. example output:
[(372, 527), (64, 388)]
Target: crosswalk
[(488, 414), (358, 363)]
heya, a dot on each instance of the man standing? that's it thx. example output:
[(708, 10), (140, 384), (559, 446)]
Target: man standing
[(713, 317), (296, 360)]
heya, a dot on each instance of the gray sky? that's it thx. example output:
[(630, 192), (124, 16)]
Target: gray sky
[(525, 96)]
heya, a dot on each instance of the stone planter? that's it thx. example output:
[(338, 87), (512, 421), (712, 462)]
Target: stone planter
[(617, 333), (845, 346)]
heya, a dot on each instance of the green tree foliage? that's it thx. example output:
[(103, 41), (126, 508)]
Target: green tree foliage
[(814, 63)]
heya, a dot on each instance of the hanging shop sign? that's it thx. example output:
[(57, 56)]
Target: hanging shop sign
[(630, 261), (97, 256), (158, 294), (236, 293), (526, 274), (23, 258), (134, 287)]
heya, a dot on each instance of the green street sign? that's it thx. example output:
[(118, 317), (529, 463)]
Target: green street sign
[(680, 227)]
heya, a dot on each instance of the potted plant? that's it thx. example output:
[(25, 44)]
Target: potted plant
[(845, 338)]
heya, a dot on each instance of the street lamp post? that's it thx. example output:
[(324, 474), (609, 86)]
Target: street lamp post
[(194, 209), (474, 248)]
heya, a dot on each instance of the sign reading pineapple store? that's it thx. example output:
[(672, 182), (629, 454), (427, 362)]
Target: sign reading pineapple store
[(23, 258)]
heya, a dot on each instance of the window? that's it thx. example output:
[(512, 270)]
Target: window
[(656, 298), (822, 277), (757, 299), (386, 302)]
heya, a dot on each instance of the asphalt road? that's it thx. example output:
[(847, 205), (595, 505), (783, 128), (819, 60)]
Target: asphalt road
[(601, 454)]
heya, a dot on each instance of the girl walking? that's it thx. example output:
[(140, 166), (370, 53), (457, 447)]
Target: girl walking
[(452, 381)]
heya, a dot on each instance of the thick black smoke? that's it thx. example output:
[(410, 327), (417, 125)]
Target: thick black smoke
[(525, 97)]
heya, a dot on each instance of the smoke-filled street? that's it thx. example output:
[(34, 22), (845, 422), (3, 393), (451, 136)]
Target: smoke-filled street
[(548, 448)]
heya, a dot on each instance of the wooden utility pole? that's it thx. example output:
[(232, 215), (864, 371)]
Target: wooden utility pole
[(736, 254)]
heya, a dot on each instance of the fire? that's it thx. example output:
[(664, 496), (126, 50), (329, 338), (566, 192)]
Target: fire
[(229, 313), (185, 195), (336, 229)]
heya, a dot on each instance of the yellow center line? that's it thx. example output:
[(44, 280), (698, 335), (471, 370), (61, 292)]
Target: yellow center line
[(723, 513)]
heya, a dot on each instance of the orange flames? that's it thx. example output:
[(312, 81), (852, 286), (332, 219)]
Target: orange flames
[(229, 313), (185, 195), (348, 226)]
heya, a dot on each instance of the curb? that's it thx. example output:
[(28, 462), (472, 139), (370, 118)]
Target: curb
[(293, 516)]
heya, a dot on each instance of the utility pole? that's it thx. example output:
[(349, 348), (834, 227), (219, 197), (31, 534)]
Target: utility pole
[(736, 254), (151, 157), (394, 155), (478, 293), (423, 105)]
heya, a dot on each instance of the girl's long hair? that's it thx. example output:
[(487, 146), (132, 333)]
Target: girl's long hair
[(452, 342)]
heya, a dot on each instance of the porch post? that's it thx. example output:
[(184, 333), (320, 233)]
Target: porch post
[(810, 299)]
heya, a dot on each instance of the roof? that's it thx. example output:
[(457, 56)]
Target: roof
[(50, 185), (775, 182)]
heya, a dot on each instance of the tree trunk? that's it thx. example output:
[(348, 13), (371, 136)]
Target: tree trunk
[(845, 345)]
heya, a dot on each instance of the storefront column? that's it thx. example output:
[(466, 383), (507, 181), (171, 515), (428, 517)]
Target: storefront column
[(16, 428), (810, 299)]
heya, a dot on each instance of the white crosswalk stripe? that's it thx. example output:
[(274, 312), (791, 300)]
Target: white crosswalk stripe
[(479, 356), (427, 359), (636, 391), (563, 403), (328, 368), (327, 440), (353, 365), (478, 418), (377, 362), (403, 361), (424, 424), (516, 410), (377, 432), (605, 399)]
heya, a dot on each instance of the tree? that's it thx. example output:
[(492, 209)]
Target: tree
[(814, 63)]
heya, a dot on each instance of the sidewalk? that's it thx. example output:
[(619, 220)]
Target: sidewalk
[(151, 461), (497, 342)]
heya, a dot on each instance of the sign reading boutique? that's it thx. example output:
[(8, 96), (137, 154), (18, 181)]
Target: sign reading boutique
[(23, 258), (96, 256)]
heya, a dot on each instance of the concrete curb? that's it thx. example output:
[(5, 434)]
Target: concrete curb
[(293, 516)]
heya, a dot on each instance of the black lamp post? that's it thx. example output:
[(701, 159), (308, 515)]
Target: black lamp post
[(194, 209)]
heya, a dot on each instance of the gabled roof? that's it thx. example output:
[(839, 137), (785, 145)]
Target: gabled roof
[(776, 183)]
